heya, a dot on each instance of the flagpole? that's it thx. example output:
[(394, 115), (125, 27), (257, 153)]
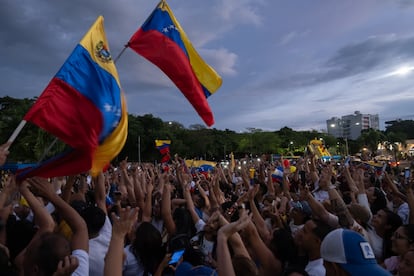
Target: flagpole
[(16, 133), (120, 54), (48, 149)]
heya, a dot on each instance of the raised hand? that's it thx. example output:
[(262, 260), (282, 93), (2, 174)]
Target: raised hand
[(4, 151), (122, 225), (67, 266), (42, 187)]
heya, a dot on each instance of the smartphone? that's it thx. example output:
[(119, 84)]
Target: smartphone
[(176, 256), (347, 160), (407, 173)]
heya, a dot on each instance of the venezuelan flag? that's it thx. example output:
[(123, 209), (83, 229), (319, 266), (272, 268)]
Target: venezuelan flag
[(163, 146), (162, 41), (84, 106)]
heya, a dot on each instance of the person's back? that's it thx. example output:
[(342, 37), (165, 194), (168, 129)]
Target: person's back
[(100, 231)]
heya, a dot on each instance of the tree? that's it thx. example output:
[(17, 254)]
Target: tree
[(401, 126), (370, 138)]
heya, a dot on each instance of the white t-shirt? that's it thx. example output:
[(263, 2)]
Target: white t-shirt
[(132, 267), (199, 226), (98, 248), (295, 228), (404, 212), (316, 268), (376, 243), (83, 258), (207, 247)]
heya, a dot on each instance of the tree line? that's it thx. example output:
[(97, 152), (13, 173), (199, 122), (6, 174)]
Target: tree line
[(196, 141)]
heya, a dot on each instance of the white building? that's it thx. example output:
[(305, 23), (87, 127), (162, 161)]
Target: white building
[(351, 126)]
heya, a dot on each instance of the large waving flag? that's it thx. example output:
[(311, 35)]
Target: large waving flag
[(162, 41), (84, 106)]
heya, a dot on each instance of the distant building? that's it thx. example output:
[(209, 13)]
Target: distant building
[(350, 126)]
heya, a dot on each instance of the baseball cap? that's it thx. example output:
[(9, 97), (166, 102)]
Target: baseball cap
[(186, 269), (352, 252), (302, 206)]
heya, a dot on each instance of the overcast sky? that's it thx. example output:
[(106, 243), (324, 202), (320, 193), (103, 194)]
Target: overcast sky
[(290, 63)]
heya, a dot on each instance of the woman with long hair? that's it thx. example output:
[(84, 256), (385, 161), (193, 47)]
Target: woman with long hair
[(145, 252)]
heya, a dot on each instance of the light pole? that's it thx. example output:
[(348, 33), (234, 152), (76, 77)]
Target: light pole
[(139, 149)]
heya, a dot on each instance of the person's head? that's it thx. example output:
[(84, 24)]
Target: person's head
[(386, 221), (147, 246), (94, 218), (360, 213), (403, 239), (312, 234), (283, 246), (376, 199), (43, 255), (19, 234), (300, 212), (346, 252), (406, 265), (183, 222)]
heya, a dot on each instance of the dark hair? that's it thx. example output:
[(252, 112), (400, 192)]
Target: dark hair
[(322, 229), (409, 231), (283, 246), (380, 201), (147, 247), (95, 218), (45, 253), (19, 234), (183, 222), (394, 221)]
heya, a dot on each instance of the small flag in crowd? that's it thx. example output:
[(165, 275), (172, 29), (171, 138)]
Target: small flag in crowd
[(83, 106), (277, 175), (164, 147), (162, 41)]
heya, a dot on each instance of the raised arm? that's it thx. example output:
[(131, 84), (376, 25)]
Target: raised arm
[(67, 189), (147, 212), (138, 192), (226, 233), (78, 226), (189, 200), (4, 151), (269, 264), (121, 226), (42, 218), (204, 195), (257, 217), (100, 193), (270, 186), (127, 182), (166, 205)]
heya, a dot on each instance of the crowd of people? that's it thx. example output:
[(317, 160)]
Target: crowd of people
[(321, 218)]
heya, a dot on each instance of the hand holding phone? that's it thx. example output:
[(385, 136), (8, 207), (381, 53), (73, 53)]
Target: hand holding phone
[(347, 160), (176, 256)]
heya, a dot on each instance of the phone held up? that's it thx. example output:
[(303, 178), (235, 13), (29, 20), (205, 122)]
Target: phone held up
[(176, 256)]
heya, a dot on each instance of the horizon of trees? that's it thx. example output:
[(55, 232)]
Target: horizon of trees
[(196, 141)]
